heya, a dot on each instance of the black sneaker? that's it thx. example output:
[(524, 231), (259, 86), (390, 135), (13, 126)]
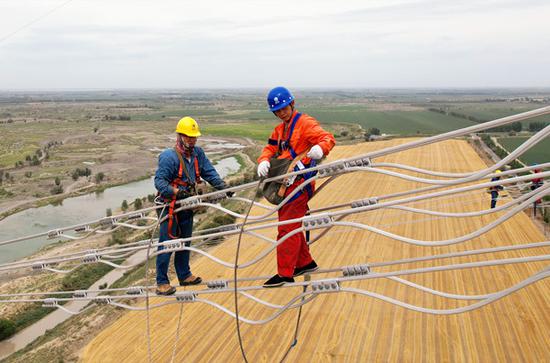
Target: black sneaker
[(310, 267), (277, 281)]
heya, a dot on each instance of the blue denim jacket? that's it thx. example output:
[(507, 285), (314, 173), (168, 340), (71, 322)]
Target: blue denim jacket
[(168, 167)]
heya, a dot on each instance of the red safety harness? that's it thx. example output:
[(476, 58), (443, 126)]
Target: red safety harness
[(179, 182)]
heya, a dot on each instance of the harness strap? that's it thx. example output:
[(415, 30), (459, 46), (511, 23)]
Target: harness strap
[(197, 171), (175, 184), (299, 165), (179, 182)]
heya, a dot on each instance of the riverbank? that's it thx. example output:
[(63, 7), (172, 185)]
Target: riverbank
[(18, 281), (39, 217), (60, 335)]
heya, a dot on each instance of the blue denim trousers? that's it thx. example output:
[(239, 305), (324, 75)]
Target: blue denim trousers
[(182, 227), (494, 198)]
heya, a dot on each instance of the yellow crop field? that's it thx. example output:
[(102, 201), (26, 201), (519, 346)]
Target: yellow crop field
[(345, 327)]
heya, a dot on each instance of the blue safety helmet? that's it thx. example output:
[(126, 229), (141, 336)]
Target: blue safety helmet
[(279, 97)]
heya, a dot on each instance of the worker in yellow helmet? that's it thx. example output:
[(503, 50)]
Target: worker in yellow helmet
[(180, 170)]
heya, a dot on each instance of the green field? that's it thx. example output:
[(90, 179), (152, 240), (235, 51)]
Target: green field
[(389, 122), (259, 131), (540, 153), (177, 113), (493, 111)]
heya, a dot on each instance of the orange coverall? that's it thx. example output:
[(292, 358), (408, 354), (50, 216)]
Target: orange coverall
[(294, 251)]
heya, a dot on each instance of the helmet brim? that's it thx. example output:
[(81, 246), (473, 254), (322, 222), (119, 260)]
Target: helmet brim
[(280, 105), (191, 134)]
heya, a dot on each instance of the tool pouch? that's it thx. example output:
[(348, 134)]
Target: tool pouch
[(271, 189)]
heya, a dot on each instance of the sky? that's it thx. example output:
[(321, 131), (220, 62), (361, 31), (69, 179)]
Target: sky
[(104, 44)]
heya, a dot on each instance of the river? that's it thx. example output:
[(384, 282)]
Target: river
[(75, 211)]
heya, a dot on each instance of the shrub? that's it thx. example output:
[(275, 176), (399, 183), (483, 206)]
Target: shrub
[(35, 160), (138, 204), (374, 131), (118, 237), (7, 328), (5, 193), (58, 189), (103, 286), (99, 177), (84, 276), (124, 205)]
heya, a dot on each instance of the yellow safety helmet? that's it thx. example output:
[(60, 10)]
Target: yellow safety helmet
[(498, 171), (188, 126)]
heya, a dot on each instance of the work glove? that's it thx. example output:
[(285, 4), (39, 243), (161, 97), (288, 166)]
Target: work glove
[(315, 152), (263, 168)]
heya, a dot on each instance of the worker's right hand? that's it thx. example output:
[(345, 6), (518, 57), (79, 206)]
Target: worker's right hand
[(263, 168)]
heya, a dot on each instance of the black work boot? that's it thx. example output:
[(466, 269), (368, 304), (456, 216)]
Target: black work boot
[(310, 267), (277, 281)]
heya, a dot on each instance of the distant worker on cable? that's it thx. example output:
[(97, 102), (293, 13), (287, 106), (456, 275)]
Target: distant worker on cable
[(494, 190), (535, 184), (180, 170), (296, 134)]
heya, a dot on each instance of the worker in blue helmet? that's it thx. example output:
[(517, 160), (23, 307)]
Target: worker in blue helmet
[(296, 135), (278, 98)]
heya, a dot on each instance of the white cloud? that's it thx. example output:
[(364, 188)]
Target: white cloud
[(322, 43)]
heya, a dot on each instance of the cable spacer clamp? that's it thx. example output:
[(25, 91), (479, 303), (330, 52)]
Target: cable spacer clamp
[(217, 284), (102, 300), (55, 233), (135, 290), (80, 294), (356, 270), (80, 229), (190, 202), (364, 202), (325, 286), (135, 216), (330, 170), (215, 198), (228, 228), (50, 302), (39, 266), (107, 221), (359, 162), (318, 222), (91, 258), (186, 297), (170, 246)]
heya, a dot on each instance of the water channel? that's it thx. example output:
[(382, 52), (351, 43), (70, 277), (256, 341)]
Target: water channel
[(75, 211)]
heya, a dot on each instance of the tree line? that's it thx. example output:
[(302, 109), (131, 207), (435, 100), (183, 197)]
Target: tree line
[(513, 127)]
